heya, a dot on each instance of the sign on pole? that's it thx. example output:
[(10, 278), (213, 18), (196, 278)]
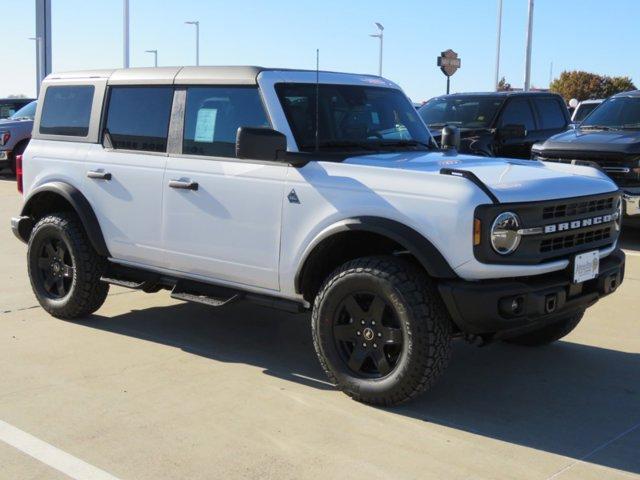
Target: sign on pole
[(449, 63)]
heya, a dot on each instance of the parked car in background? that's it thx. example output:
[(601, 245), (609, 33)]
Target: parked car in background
[(9, 106), (584, 108), (608, 138), (15, 133), (503, 124)]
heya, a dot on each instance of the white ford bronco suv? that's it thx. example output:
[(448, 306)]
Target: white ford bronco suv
[(308, 190)]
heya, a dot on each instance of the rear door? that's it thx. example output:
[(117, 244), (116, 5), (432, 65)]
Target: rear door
[(221, 215), (124, 180), (552, 117), (517, 111)]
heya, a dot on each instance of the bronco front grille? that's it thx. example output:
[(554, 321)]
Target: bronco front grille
[(563, 210), (574, 240), (554, 229)]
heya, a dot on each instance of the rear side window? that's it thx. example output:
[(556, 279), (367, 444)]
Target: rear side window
[(138, 117), (518, 112), (213, 116), (67, 110), (550, 113)]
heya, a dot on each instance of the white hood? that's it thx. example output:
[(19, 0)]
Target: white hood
[(510, 180)]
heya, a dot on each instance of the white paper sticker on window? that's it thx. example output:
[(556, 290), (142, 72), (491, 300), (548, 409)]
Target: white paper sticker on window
[(206, 125)]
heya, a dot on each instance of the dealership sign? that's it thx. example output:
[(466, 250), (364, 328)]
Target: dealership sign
[(449, 62)]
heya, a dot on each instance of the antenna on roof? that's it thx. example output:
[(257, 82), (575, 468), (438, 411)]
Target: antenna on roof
[(317, 99)]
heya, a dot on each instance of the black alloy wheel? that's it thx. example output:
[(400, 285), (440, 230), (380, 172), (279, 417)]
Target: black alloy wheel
[(368, 335)]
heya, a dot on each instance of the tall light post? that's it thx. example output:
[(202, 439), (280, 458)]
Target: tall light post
[(125, 34), (527, 63), (197, 24), (155, 56), (497, 81), (379, 35), (40, 68)]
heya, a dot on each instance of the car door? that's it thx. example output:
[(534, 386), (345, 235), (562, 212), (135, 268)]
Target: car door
[(517, 111), (221, 215), (124, 178)]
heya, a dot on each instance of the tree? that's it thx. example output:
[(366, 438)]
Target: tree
[(503, 86), (584, 85), (20, 95)]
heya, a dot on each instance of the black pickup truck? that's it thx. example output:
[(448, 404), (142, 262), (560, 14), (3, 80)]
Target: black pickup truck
[(498, 124), (609, 138)]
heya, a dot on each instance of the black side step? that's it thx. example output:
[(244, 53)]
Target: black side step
[(131, 278), (472, 177), (212, 295)]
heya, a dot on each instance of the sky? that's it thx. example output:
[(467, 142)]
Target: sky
[(573, 34)]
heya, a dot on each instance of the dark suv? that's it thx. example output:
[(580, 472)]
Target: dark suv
[(503, 124)]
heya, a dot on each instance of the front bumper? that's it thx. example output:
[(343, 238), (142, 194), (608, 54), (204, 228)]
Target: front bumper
[(487, 307)]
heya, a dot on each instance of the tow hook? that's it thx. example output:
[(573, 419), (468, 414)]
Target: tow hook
[(550, 303)]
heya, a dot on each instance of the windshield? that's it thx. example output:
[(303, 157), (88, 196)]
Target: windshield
[(464, 112), (351, 117), (615, 113), (28, 112)]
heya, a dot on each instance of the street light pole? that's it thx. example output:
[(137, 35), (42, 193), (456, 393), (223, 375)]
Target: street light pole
[(498, 44), (125, 33), (379, 35), (527, 67), (40, 69), (197, 24), (155, 56)]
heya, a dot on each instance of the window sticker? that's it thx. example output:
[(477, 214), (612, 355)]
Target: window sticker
[(206, 125)]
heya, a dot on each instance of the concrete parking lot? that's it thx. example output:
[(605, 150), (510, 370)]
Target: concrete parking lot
[(153, 388)]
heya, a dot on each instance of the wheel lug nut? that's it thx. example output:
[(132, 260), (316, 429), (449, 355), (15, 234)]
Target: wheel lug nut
[(375, 345), (358, 333), (379, 334), (373, 322), (364, 345), (362, 322)]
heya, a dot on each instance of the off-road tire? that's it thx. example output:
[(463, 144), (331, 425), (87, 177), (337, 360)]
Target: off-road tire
[(86, 292), (548, 334), (425, 323)]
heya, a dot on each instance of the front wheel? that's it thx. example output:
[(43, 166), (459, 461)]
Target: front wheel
[(64, 269), (550, 333), (381, 331)]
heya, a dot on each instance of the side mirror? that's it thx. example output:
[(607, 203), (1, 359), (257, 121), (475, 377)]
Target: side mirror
[(450, 138), (259, 143), (512, 131)]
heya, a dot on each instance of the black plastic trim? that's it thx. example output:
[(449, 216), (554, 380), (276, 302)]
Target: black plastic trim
[(81, 206), (415, 243), (472, 177)]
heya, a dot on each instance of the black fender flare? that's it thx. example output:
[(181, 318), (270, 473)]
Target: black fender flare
[(415, 243), (80, 205)]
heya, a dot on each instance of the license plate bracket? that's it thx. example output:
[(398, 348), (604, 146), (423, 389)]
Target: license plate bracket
[(586, 266)]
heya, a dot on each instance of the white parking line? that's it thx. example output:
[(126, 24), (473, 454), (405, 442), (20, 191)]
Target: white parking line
[(50, 455)]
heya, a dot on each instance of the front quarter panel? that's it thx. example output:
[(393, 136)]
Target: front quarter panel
[(437, 206)]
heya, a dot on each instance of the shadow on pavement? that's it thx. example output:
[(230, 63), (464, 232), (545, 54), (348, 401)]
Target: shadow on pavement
[(567, 399), (630, 238)]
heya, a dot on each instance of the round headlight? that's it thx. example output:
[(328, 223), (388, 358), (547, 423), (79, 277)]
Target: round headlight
[(504, 233)]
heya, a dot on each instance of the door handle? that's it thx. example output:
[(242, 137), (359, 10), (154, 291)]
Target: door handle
[(183, 184), (99, 175)]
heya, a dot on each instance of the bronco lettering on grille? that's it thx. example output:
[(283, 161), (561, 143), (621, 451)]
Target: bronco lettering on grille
[(585, 222)]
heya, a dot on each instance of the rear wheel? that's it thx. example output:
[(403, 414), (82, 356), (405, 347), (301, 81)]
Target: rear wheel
[(550, 333), (380, 330), (64, 269)]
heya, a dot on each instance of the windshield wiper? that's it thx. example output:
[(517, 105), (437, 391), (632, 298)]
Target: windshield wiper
[(403, 143), (443, 124), (597, 127), (631, 126), (341, 144)]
